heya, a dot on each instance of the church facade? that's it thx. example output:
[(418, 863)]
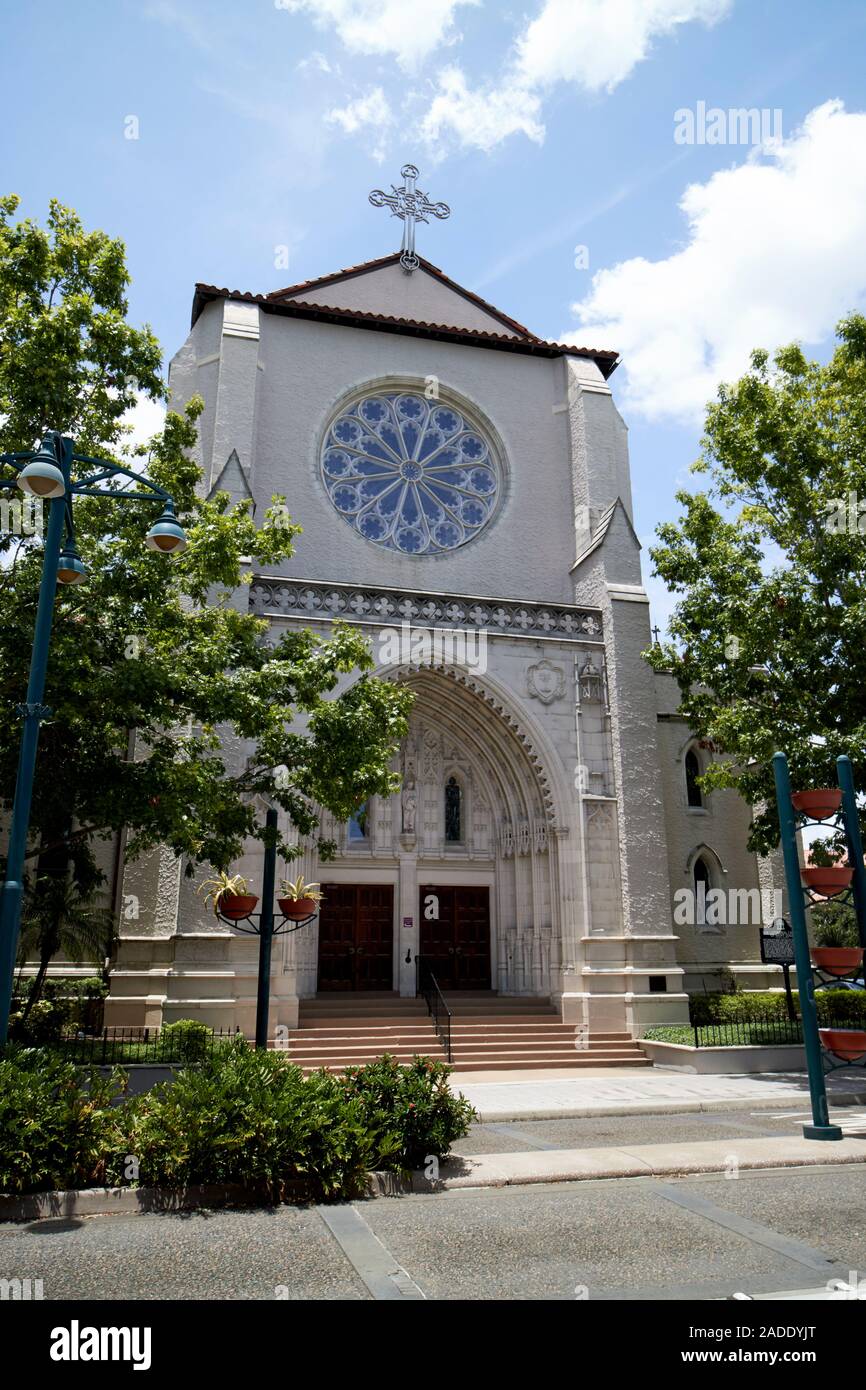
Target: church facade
[(464, 492)]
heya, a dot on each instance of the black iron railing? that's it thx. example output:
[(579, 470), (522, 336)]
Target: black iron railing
[(427, 986), (762, 1030), (122, 1046)]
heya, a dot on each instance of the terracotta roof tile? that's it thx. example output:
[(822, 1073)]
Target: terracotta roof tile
[(605, 359)]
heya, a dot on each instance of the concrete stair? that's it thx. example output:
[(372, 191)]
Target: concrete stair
[(487, 1034)]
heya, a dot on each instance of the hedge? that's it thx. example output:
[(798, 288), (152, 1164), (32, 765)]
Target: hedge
[(766, 1004), (238, 1116)]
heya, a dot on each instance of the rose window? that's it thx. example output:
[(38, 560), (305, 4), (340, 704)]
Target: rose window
[(412, 475)]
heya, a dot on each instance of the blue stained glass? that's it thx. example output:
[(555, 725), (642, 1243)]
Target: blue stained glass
[(411, 435), (410, 474), (481, 480), (473, 513), (410, 539)]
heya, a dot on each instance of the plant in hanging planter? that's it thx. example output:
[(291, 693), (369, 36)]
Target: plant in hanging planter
[(228, 893), (827, 879), (837, 949), (299, 899), (818, 804)]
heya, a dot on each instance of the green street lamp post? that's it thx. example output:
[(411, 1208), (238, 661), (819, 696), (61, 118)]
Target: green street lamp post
[(47, 475), (266, 929)]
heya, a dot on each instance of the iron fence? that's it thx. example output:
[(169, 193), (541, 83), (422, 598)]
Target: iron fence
[(762, 1030), (121, 1046)]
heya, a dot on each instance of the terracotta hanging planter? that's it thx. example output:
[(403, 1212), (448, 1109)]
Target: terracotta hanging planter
[(297, 908), (236, 906), (848, 1044), (827, 880), (818, 804), (837, 960)]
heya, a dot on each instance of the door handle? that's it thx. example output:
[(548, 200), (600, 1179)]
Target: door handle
[(359, 950), (350, 950), (451, 950)]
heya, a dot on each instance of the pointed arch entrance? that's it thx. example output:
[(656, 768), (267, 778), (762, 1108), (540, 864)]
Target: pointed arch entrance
[(476, 827)]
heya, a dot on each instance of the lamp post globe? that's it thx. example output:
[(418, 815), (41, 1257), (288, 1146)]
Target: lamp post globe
[(41, 477), (71, 569), (166, 535)]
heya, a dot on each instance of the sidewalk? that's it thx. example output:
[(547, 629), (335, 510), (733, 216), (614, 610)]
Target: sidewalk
[(642, 1161), (593, 1091)]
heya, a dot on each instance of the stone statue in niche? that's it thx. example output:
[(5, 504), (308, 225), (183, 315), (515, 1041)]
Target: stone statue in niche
[(591, 682), (452, 810), (409, 801), (546, 682)]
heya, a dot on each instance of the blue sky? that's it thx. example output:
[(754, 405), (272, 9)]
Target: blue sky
[(548, 127)]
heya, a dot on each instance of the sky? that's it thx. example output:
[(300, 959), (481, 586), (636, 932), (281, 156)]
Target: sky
[(603, 189)]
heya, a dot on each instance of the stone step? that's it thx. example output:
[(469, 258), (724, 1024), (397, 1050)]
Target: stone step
[(531, 1064)]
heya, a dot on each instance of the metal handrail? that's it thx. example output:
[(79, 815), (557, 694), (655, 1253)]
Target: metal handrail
[(427, 986)]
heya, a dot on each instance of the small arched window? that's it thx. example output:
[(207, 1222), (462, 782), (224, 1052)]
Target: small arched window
[(453, 811), (703, 884), (694, 795)]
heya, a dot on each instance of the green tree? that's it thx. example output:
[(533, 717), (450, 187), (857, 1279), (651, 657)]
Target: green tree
[(59, 917), (769, 566), (153, 654)]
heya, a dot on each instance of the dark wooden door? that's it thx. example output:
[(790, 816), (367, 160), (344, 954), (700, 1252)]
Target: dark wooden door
[(456, 943), (356, 936)]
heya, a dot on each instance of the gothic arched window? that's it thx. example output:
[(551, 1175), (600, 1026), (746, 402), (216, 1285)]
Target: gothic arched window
[(411, 474), (703, 884), (694, 794), (453, 811), (358, 831)]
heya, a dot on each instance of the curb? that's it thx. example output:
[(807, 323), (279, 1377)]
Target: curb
[(590, 1165), (141, 1201)]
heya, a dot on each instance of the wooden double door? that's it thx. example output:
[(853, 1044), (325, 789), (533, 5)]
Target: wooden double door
[(356, 937), (455, 935)]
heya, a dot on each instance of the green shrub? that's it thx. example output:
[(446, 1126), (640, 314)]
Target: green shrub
[(737, 1008), (238, 1116), (763, 1004), (188, 1040), (250, 1117), (58, 1125), (848, 1005), (411, 1113), (44, 1023)]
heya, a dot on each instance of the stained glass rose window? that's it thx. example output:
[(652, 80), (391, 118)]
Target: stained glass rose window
[(412, 475)]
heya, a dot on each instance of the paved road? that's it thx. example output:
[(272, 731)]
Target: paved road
[(702, 1237)]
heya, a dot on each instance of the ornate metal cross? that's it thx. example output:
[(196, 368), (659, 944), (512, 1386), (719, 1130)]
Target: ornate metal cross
[(411, 206)]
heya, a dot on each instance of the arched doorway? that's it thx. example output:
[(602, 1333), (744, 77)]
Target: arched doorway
[(474, 829)]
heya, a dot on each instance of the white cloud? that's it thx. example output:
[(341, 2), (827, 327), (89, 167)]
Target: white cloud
[(146, 418), (480, 118), (410, 31), (367, 112), (598, 43), (315, 60), (594, 44), (774, 253)]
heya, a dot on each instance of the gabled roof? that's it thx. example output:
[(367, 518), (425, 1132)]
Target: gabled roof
[(602, 527), (605, 360), (233, 479), (366, 266)]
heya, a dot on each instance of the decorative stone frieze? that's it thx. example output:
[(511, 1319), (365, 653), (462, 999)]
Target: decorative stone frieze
[(303, 599)]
